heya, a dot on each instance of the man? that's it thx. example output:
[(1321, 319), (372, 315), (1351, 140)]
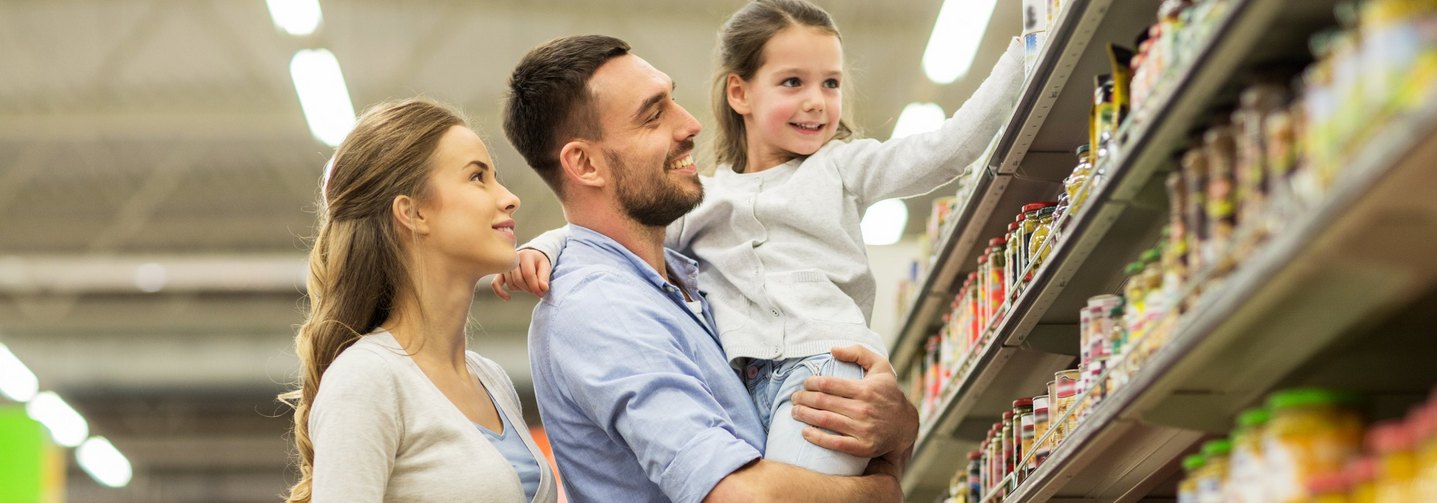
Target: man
[(639, 400)]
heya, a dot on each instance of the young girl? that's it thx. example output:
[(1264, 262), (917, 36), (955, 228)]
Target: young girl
[(390, 406), (777, 236)]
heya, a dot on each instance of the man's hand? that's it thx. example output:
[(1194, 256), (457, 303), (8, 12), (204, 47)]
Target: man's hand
[(870, 417), (532, 275)]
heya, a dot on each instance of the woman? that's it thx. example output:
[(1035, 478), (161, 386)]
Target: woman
[(390, 405)]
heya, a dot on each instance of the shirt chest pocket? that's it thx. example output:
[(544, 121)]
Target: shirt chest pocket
[(810, 294)]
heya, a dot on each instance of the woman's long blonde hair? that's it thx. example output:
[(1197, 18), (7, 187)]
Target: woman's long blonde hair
[(356, 268)]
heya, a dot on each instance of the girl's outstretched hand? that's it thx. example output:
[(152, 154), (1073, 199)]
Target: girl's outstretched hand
[(532, 275)]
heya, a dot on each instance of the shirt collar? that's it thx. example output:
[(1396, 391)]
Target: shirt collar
[(682, 270)]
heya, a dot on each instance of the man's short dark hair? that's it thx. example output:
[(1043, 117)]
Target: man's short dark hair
[(549, 103)]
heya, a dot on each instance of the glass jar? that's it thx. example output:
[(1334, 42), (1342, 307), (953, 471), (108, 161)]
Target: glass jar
[(985, 304), (1021, 407), (1029, 224), (1188, 488), (1076, 184), (1006, 436), (1195, 179), (1214, 471), (1012, 258), (1247, 477), (1312, 431), (997, 281), (1038, 253), (1221, 198)]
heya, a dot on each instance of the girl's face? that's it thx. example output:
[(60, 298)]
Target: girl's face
[(469, 214), (792, 105)]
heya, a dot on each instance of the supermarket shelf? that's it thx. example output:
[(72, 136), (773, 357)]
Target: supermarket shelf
[(1038, 334), (1313, 294), (1076, 46)]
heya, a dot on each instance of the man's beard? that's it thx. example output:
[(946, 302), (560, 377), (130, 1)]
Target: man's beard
[(650, 198)]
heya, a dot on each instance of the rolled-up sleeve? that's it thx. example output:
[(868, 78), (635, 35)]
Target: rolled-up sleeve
[(632, 371)]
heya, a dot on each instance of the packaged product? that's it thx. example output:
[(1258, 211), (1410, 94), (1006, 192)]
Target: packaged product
[(1103, 119), (1214, 471), (1221, 201), (1195, 179), (1312, 431), (1041, 442), (1246, 479), (1188, 488), (1035, 30), (1076, 185)]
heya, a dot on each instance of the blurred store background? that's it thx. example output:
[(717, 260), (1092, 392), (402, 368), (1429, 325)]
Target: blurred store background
[(157, 184)]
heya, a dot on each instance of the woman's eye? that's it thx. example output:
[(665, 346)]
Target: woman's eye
[(478, 176)]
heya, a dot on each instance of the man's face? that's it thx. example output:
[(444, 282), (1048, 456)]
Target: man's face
[(648, 141)]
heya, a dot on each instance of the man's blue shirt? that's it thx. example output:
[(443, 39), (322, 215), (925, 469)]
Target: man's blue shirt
[(637, 397)]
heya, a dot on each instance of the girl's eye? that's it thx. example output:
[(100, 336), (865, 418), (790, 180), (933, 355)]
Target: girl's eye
[(790, 82), (831, 83)]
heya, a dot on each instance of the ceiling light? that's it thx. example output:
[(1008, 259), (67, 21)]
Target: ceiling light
[(296, 17), (66, 426), (322, 94), (918, 118), (16, 380), (955, 38), (884, 222), (99, 458)]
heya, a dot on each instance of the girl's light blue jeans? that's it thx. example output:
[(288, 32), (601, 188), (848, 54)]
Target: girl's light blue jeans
[(772, 383)]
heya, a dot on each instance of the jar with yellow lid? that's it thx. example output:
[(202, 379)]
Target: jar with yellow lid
[(1312, 431), (1188, 488), (1247, 476)]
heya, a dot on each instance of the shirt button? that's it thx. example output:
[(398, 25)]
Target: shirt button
[(774, 311)]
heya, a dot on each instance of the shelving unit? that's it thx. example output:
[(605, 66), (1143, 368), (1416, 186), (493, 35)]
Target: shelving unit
[(1303, 310)]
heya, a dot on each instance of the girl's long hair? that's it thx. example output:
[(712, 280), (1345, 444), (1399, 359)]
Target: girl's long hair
[(355, 267)]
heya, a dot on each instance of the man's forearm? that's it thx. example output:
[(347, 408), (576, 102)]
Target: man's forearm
[(774, 481)]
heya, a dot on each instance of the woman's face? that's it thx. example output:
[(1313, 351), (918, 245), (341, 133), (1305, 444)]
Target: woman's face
[(468, 212)]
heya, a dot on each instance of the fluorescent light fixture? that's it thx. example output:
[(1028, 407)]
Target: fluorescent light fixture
[(150, 277), (16, 380), (99, 458), (955, 38), (66, 426), (322, 94), (918, 118), (296, 17), (884, 222)]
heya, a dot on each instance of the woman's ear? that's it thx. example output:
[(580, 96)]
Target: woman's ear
[(737, 92), (580, 164), (406, 211)]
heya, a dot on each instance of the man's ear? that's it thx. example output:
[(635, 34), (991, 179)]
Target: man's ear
[(583, 164), (406, 211), (737, 92)]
